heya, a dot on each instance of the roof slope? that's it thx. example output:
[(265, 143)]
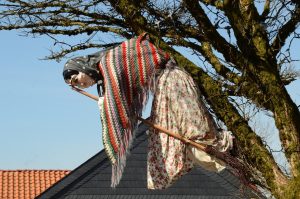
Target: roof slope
[(27, 184), (92, 180)]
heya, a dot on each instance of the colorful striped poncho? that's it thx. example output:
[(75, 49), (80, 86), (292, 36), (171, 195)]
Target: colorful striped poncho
[(129, 73)]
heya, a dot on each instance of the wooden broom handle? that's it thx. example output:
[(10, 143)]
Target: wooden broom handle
[(150, 124), (85, 93), (170, 133), (175, 135)]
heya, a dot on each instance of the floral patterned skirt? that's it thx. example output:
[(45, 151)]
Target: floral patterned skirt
[(177, 106)]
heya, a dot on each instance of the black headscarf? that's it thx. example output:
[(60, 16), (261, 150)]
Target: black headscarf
[(87, 64)]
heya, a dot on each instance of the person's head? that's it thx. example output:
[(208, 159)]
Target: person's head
[(83, 71)]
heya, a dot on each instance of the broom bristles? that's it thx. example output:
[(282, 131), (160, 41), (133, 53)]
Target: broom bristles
[(235, 166)]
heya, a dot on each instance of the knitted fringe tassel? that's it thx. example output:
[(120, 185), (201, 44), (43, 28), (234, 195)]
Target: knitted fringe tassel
[(143, 96), (119, 166)]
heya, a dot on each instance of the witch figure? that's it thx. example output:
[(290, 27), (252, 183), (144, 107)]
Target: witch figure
[(125, 75)]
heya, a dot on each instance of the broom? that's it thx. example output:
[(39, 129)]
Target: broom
[(237, 167)]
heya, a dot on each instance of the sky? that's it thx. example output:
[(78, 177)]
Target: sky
[(43, 123)]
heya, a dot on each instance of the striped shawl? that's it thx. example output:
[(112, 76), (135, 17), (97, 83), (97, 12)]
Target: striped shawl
[(129, 73)]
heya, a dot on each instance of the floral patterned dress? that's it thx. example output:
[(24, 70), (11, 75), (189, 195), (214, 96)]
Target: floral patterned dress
[(177, 106)]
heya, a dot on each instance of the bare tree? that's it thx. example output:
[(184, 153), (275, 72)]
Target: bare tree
[(244, 44)]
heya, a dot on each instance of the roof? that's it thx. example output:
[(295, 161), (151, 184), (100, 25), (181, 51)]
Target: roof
[(92, 179), (27, 184)]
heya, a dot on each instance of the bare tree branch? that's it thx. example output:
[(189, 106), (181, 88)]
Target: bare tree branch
[(266, 11), (243, 50), (285, 31)]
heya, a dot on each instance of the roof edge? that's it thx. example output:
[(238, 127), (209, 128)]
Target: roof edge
[(81, 171), (73, 176)]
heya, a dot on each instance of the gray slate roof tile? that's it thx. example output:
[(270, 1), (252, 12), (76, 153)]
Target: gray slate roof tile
[(92, 180)]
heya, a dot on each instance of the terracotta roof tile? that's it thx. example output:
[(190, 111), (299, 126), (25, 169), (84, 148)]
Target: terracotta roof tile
[(27, 184)]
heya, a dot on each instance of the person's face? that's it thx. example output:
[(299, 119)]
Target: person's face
[(81, 80)]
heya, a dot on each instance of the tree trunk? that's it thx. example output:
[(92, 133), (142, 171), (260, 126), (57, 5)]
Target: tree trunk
[(256, 154), (287, 120)]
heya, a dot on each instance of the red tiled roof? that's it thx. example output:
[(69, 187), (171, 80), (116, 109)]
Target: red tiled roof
[(27, 184)]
